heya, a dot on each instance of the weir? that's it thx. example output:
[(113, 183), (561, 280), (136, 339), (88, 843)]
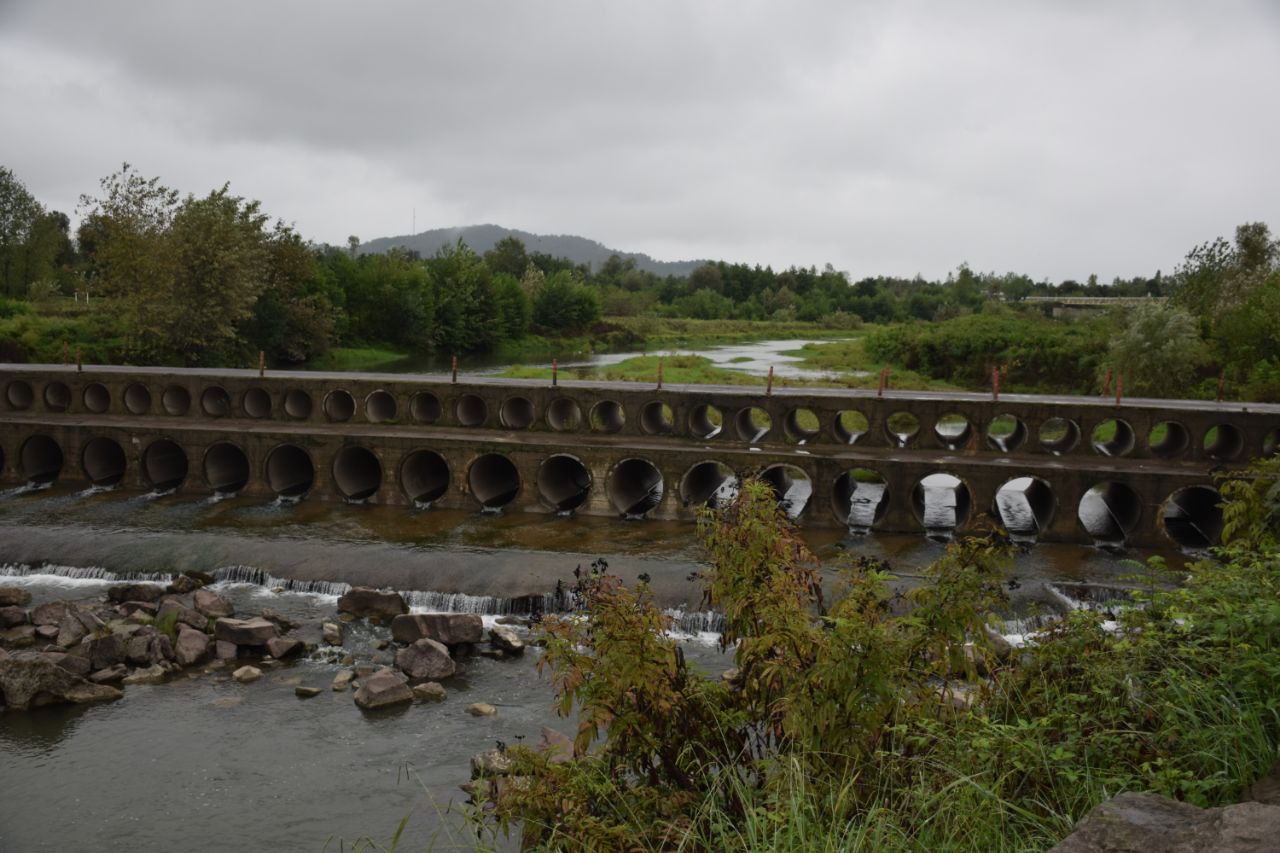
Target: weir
[(1059, 468)]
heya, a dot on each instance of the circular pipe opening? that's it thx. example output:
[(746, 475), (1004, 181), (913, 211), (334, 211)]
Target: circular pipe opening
[(57, 397), (339, 405), (297, 404), (357, 473), (1168, 439), (792, 486), (1059, 436), (39, 460), (103, 461), (1113, 437), (1193, 517), (860, 498), (164, 465), (1110, 512), (850, 425), (97, 398), (215, 401), (516, 413), (256, 403), (471, 411), (226, 468), (137, 398), (494, 480), (656, 418), (563, 482), (607, 416), (425, 407), (380, 407), (901, 427), (290, 472), (424, 477), (1224, 443), (952, 431), (801, 426), (710, 484), (941, 503), (564, 415), (176, 400), (19, 395), (752, 424), (1024, 506), (1006, 433), (635, 487), (705, 421)]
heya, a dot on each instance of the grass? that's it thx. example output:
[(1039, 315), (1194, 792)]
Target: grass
[(676, 370), (849, 359), (357, 358), (665, 332)]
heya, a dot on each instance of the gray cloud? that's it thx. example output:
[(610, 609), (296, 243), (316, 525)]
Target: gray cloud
[(1056, 139)]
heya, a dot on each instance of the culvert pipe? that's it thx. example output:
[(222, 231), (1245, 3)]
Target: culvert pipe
[(226, 468), (494, 480), (516, 413), (471, 410), (215, 401), (859, 498), (257, 403), (1224, 443), (176, 400), (708, 483), (297, 404), (103, 461), (752, 424), (137, 398), (635, 487), (96, 398), (164, 465), (941, 503), (290, 472), (608, 416), (425, 407), (705, 421), (564, 482), (1193, 517), (40, 460), (792, 486), (1110, 512), (380, 407), (564, 415), (357, 473), (57, 397), (424, 477), (339, 406), (19, 395), (1024, 506)]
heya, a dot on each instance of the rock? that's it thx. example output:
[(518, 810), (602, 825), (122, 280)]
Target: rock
[(137, 650), (284, 647), (1155, 824), (332, 633), (211, 604), (513, 620), (555, 745), (346, 617), (154, 674), (245, 632), (129, 608), (731, 676), (192, 647), (1267, 788), (384, 688), (372, 603), (481, 709), (494, 654), (110, 675), (381, 643), (14, 596), (18, 637), (183, 614), (247, 674), (77, 623), (365, 670), (430, 691), (343, 680), (103, 652), (122, 592), (159, 649), (451, 629), (425, 659), (12, 615), (280, 619), (185, 583), (50, 613), (490, 764), (306, 692), (76, 664), (507, 640), (46, 632), (28, 680), (222, 650), (348, 660)]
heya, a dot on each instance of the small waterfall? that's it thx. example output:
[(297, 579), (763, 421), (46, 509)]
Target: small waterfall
[(697, 621), (258, 577)]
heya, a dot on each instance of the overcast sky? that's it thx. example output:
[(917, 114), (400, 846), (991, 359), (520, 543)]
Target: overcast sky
[(1056, 139)]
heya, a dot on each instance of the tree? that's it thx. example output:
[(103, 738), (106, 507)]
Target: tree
[(19, 213), (353, 245), (1158, 351), (508, 256), (563, 304)]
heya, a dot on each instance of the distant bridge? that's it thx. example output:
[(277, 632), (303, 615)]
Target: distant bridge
[(1081, 469)]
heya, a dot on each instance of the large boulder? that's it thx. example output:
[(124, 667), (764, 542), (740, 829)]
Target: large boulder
[(49, 613), (254, 631), (102, 651), (29, 681), (77, 623), (159, 649), (1156, 824), (451, 629), (507, 640), (182, 614), (154, 674), (137, 649), (285, 647), (185, 583), (384, 688), (191, 648), (12, 615), (18, 637), (75, 664), (14, 596), (123, 592), (425, 659), (211, 604), (372, 603)]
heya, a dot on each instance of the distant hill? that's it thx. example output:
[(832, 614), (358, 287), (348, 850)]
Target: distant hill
[(482, 238)]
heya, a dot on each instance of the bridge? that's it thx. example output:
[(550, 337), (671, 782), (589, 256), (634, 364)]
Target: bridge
[(1056, 468)]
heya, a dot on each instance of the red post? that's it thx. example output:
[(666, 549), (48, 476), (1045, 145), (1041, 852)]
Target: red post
[(768, 388), (887, 373), (1222, 383), (659, 374), (455, 370), (79, 361), (995, 383), (1119, 386), (65, 354), (1106, 383), (262, 363), (555, 368)]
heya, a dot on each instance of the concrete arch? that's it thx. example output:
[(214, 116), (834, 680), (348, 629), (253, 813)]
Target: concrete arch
[(176, 400), (708, 483), (256, 402), (1192, 517), (103, 461), (424, 477), (380, 407), (792, 485), (226, 468), (494, 480), (18, 394), (57, 396), (164, 465), (215, 401), (860, 498), (290, 471), (40, 460), (137, 398), (96, 398), (339, 406), (357, 473), (564, 482), (635, 487), (1025, 507)]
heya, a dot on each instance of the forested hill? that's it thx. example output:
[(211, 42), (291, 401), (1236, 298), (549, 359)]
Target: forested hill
[(482, 238)]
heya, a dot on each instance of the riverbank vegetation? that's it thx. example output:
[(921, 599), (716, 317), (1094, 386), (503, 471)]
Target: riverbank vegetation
[(901, 722), (154, 276)]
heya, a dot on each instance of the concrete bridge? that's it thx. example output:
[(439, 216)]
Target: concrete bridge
[(1081, 469)]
